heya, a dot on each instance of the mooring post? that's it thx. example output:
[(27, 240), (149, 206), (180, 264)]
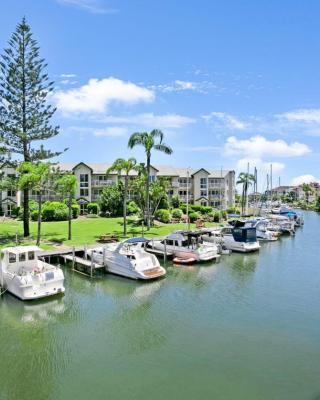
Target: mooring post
[(104, 257), (85, 252), (73, 257), (165, 251), (91, 267)]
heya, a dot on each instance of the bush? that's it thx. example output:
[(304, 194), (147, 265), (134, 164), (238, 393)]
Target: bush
[(206, 210), (193, 216), (75, 211), (93, 208), (176, 213), (196, 207), (132, 208), (163, 215), (216, 217), (15, 211), (175, 202), (34, 215), (164, 203), (223, 214), (183, 208), (54, 211)]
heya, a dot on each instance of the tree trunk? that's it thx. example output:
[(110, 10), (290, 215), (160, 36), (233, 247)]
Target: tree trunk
[(26, 229), (147, 192), (69, 219), (125, 206), (242, 201), (39, 219)]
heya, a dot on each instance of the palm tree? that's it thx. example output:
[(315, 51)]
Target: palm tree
[(127, 166), (245, 179), (148, 141), (67, 186)]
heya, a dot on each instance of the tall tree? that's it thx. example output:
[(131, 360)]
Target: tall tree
[(126, 166), (150, 141), (245, 179), (24, 112), (67, 186), (36, 177)]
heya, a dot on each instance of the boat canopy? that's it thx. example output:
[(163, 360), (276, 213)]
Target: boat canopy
[(20, 249), (135, 240)]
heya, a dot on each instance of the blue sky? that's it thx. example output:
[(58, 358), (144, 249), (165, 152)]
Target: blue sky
[(228, 82)]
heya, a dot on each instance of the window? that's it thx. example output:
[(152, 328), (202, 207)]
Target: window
[(31, 255), (12, 258), (152, 178), (204, 203), (203, 193), (22, 257), (182, 181), (11, 193), (84, 192), (203, 183), (84, 180), (182, 192)]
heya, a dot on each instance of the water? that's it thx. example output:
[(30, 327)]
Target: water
[(245, 328)]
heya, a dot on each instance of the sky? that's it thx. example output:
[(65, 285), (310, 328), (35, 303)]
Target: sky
[(228, 82)]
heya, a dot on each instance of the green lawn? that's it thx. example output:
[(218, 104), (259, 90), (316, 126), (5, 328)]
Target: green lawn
[(84, 231)]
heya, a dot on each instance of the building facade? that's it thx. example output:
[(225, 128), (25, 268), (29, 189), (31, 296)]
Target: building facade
[(214, 188)]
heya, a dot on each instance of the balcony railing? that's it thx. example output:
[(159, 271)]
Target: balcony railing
[(102, 183)]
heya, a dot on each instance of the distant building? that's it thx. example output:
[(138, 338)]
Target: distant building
[(205, 187)]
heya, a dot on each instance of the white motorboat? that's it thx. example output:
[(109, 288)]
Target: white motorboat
[(27, 277), (128, 259), (187, 246), (262, 231), (281, 223), (235, 237)]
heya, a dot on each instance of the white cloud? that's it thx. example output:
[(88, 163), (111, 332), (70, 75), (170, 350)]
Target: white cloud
[(96, 95), (299, 180), (224, 120), (259, 146), (67, 75), (180, 85), (151, 120), (92, 6), (304, 115), (113, 131)]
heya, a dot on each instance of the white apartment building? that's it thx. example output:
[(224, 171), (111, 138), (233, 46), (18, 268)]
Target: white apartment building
[(205, 187)]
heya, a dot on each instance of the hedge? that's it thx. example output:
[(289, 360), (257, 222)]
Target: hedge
[(193, 216), (93, 208), (54, 211), (163, 215), (176, 213)]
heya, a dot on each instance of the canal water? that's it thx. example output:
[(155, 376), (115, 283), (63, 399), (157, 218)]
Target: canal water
[(245, 328)]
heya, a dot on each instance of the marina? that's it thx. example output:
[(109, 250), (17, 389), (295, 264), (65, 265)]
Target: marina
[(250, 319)]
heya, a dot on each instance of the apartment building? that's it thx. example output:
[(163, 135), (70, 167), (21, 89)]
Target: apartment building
[(201, 186)]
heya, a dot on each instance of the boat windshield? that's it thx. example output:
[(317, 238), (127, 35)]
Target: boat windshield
[(247, 235)]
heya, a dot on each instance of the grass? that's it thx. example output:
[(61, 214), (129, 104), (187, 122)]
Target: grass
[(84, 231)]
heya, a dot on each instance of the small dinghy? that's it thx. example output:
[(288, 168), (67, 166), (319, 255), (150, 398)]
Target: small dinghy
[(185, 261)]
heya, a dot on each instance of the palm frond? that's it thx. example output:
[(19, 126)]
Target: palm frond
[(163, 148)]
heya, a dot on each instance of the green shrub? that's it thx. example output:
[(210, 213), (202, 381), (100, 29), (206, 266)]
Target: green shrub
[(75, 211), (195, 207), (54, 211), (163, 215), (216, 217), (93, 208), (15, 211), (175, 202), (176, 213), (164, 203), (132, 208), (183, 208), (193, 216), (34, 215), (223, 214), (205, 210)]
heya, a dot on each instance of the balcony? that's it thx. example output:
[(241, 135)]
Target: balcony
[(102, 183)]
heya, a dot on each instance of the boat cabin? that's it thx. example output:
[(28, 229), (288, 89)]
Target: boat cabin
[(240, 232), (187, 239), (14, 258)]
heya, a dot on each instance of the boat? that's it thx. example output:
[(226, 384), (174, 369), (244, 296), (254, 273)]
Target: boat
[(128, 259), (282, 224), (27, 277), (262, 231), (187, 245), (235, 236)]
